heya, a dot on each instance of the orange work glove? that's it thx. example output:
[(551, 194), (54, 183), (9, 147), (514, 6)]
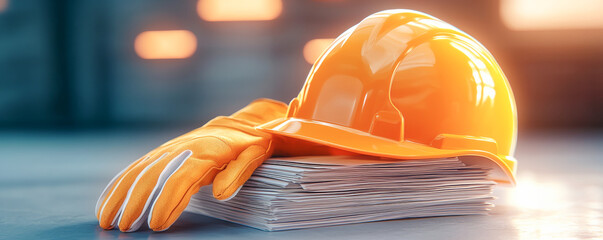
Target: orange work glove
[(158, 186)]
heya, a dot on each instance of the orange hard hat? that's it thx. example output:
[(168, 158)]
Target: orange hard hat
[(403, 84)]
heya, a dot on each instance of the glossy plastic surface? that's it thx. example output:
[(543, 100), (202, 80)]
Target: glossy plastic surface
[(404, 84)]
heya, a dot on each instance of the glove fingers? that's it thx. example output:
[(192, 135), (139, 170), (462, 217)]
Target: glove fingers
[(111, 185), (175, 195), (228, 182), (143, 192), (109, 210)]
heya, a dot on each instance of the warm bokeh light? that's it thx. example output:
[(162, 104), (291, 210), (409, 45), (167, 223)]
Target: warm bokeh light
[(172, 44), (3, 5), (540, 195), (551, 14), (315, 47), (555, 207), (239, 10)]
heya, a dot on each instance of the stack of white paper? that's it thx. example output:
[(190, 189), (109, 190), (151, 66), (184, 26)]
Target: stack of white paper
[(294, 193)]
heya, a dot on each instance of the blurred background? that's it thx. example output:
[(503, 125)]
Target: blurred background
[(73, 64), (88, 86)]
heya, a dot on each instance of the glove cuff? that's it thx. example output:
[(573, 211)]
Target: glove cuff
[(261, 111), (241, 125)]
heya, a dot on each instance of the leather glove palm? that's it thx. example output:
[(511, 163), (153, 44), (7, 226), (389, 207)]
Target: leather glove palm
[(158, 186)]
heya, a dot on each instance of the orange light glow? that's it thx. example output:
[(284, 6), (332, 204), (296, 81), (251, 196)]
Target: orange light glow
[(239, 10), (525, 15), (315, 47), (172, 44), (3, 5)]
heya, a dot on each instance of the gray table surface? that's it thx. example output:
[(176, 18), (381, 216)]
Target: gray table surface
[(49, 183)]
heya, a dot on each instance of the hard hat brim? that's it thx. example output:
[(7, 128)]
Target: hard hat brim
[(363, 143)]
